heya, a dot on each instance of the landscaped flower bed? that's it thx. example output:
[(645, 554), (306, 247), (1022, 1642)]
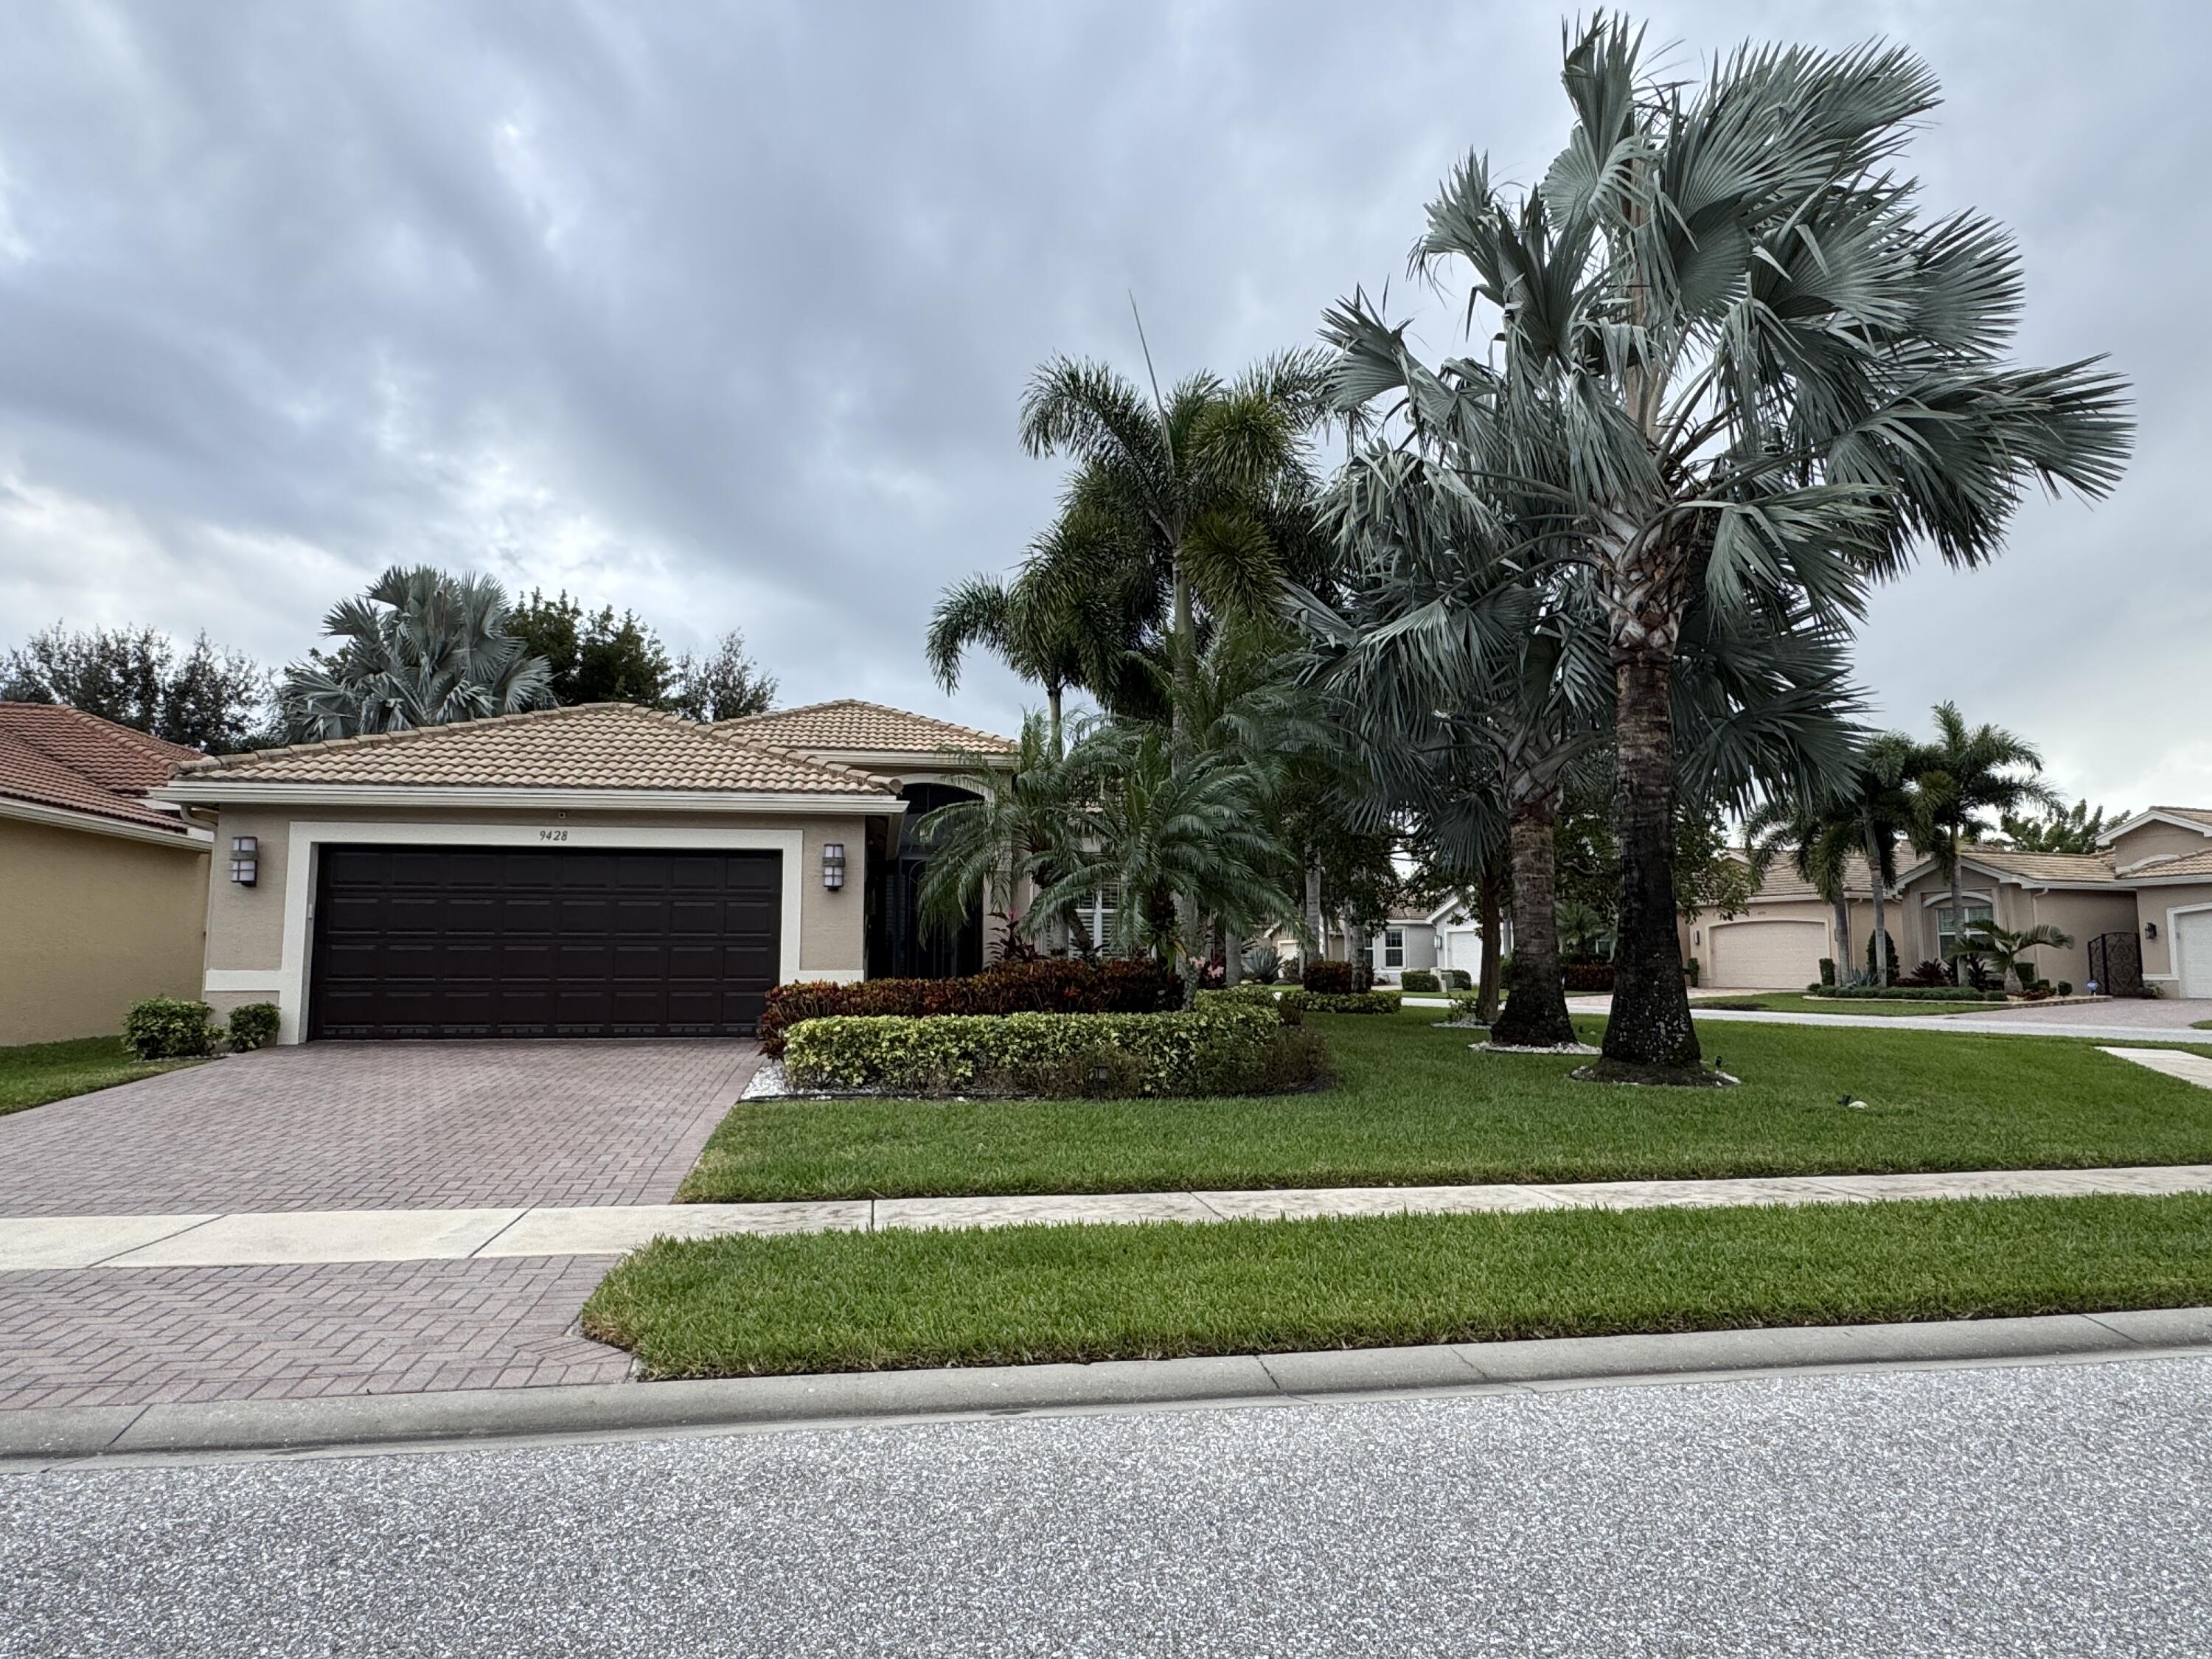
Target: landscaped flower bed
[(1054, 986), (1224, 1049)]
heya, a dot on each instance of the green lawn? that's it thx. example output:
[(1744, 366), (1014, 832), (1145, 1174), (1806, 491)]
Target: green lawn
[(1415, 1106), (37, 1072), (738, 1306), (1796, 1002)]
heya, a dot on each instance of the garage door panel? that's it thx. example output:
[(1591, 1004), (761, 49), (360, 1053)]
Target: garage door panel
[(455, 942), (1766, 954), (2193, 952)]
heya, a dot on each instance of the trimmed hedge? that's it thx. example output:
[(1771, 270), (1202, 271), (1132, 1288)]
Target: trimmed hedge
[(253, 1026), (1328, 978), (1055, 985), (1225, 1049), (1353, 1002), (1420, 981), (1580, 977), (169, 1027), (1902, 993), (1287, 1004)]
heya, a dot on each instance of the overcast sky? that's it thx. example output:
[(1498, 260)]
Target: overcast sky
[(723, 313)]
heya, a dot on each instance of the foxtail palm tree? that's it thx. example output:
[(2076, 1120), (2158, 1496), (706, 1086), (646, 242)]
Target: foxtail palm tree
[(1737, 364), (1963, 773)]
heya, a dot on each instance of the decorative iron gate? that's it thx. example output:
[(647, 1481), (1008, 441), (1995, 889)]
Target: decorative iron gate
[(2116, 964)]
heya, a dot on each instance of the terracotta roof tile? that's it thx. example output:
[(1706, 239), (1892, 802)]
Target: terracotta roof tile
[(2196, 864), (851, 724), (604, 745), (64, 757), (1782, 881), (2042, 867)]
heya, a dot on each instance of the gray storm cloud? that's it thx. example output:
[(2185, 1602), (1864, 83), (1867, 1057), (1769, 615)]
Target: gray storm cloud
[(722, 313)]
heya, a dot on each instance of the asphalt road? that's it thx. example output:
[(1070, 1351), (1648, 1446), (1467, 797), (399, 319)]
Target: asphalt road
[(2050, 1510)]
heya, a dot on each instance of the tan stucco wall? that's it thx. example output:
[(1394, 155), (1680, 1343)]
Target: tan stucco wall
[(2081, 916), (89, 924), (2156, 904), (246, 925), (2152, 840)]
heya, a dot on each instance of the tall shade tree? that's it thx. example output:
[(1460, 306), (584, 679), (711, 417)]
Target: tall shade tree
[(1968, 771), (203, 697), (420, 648), (1735, 360)]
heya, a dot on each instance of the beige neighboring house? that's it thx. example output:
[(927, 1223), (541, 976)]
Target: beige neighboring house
[(2144, 900), (603, 870), (102, 891)]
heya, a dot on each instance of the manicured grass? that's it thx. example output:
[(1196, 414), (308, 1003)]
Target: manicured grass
[(1415, 1106), (733, 1307), (37, 1072), (2200, 1025), (1796, 1002)]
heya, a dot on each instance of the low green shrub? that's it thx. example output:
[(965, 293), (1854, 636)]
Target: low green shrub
[(1049, 985), (1419, 981), (169, 1027), (1353, 1002), (1227, 1047), (2065, 987), (253, 1026), (1288, 1004), (1584, 977), (1827, 970), (1456, 979)]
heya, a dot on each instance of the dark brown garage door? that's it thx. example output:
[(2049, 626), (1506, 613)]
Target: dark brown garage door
[(474, 942)]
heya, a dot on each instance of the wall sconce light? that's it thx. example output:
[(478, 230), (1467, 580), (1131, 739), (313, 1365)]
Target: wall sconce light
[(2150, 930), (833, 865), (245, 859)]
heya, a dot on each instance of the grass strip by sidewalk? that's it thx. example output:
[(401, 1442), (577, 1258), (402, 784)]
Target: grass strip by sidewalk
[(1796, 1002), (34, 1073), (1413, 1106), (738, 1306)]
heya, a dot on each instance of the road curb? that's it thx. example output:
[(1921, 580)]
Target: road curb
[(41, 1439)]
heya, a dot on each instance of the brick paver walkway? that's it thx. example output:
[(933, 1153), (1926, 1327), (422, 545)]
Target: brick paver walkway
[(133, 1337), (365, 1126), (354, 1126)]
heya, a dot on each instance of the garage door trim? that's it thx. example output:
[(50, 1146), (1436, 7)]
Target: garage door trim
[(308, 836), (2184, 929)]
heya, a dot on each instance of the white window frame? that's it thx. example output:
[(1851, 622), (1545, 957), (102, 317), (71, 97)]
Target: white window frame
[(1096, 914), (1944, 934), (1394, 947)]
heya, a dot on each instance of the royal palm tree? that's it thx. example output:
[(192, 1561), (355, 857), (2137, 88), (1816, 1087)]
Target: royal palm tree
[(1880, 805), (1736, 363), (420, 648), (1963, 773)]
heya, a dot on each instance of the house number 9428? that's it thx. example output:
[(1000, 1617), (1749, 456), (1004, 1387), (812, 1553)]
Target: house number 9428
[(552, 835)]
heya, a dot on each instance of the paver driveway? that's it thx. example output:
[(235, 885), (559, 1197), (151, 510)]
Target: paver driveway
[(345, 1126), (361, 1126)]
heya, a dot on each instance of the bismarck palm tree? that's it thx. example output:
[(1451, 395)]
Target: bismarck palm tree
[(1966, 772), (420, 648), (1738, 363)]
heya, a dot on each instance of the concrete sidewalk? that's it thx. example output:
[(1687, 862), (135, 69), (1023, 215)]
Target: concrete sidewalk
[(35, 1440), (1988, 1025), (42, 1243)]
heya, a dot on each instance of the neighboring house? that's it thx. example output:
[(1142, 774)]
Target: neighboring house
[(2144, 902), (103, 891), (601, 870), (1439, 936)]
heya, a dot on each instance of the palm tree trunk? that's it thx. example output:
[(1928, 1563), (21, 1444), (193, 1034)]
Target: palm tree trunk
[(1958, 913), (1052, 696), (1881, 925), (1317, 946), (1487, 909), (1232, 957), (1649, 1028), (1535, 1013), (1844, 968)]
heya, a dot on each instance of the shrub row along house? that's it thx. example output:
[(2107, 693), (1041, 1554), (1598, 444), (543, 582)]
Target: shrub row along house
[(2138, 910), (597, 870)]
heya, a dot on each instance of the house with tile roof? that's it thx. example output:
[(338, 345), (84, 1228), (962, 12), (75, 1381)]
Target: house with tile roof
[(2139, 910), (597, 870), (104, 888)]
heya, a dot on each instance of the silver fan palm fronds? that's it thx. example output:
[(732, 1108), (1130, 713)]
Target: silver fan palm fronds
[(420, 648), (1733, 358)]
